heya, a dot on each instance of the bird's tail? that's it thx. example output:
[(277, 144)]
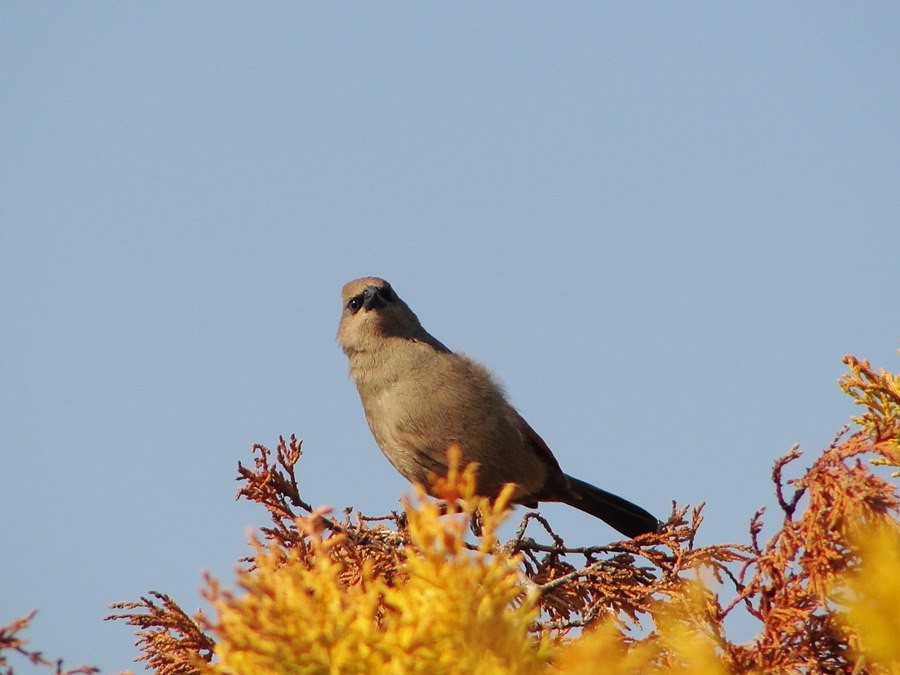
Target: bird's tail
[(629, 519)]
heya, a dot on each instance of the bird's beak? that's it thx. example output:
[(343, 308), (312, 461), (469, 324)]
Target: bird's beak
[(372, 297)]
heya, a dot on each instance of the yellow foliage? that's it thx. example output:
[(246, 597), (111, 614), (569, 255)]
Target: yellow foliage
[(679, 645), (456, 610), (294, 619), (872, 596), (460, 611), (607, 645), (879, 394)]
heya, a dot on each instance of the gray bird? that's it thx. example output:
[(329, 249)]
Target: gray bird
[(420, 398)]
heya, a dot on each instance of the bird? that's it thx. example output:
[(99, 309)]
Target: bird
[(420, 398)]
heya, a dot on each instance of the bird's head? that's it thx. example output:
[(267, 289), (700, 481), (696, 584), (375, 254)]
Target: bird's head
[(372, 311)]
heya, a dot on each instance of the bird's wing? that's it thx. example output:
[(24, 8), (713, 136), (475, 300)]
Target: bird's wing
[(536, 442)]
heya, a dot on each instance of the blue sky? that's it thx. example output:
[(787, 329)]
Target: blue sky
[(660, 225)]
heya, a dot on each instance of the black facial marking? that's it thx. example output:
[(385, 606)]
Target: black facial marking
[(372, 296)]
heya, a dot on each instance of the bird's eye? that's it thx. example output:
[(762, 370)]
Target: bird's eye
[(355, 303)]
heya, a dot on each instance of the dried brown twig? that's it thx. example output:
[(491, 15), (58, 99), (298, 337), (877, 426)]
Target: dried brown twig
[(625, 578), (171, 642)]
